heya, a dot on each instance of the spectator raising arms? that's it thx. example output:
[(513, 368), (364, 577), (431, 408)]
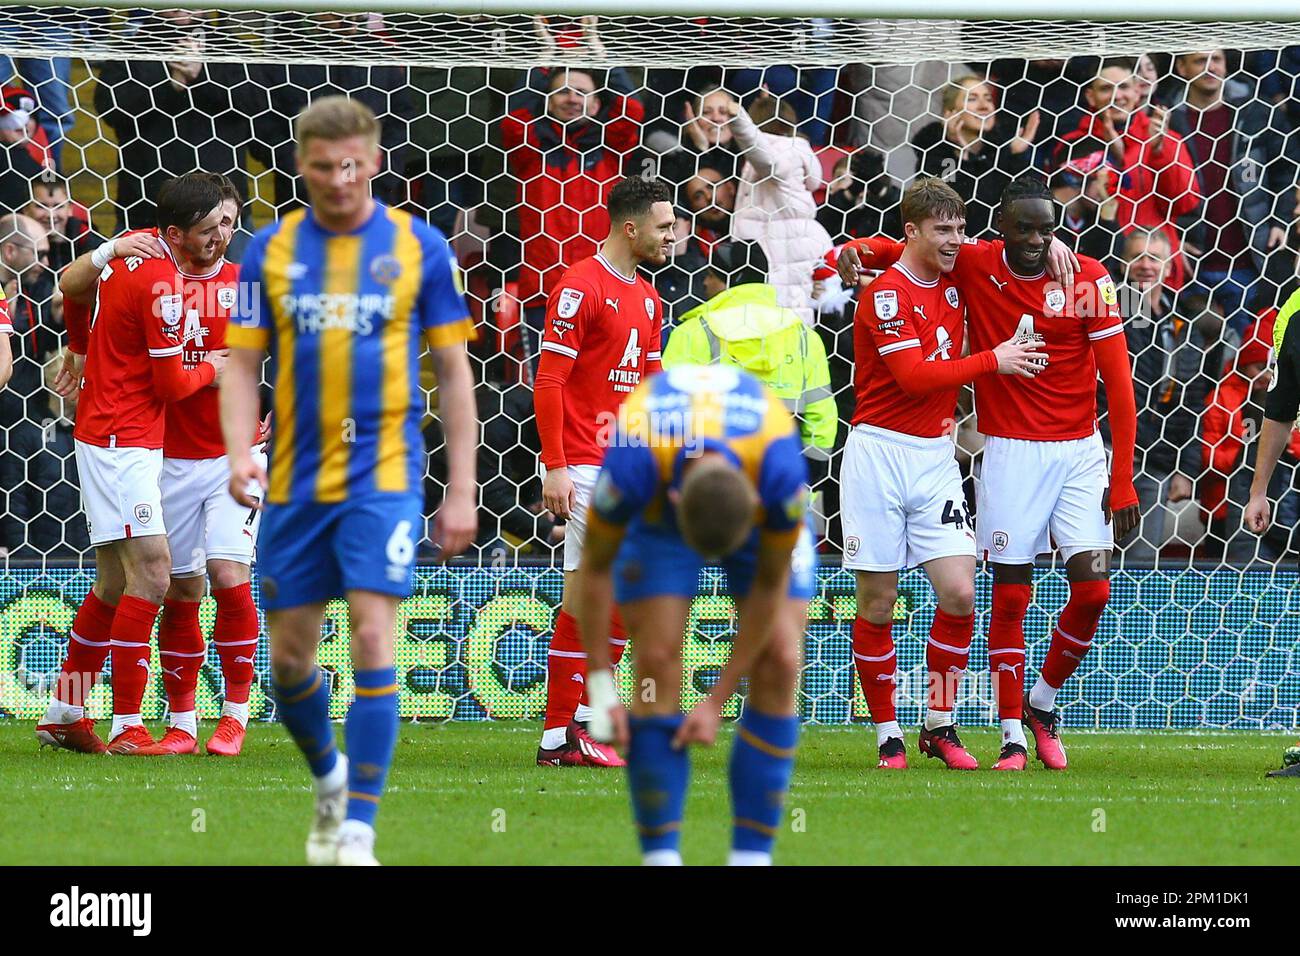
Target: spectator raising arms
[(974, 149), (774, 202)]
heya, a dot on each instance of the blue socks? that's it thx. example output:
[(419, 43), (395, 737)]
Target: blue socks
[(304, 710), (371, 735), (762, 759), (657, 776)]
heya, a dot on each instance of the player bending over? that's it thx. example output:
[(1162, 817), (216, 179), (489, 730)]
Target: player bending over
[(345, 293), (1044, 477), (706, 467), (133, 369), (603, 322)]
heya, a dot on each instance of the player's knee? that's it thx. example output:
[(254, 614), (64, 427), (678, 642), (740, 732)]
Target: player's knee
[(1091, 597), (958, 598), (658, 658), (779, 664), (291, 665), (877, 604), (227, 574), (186, 589)]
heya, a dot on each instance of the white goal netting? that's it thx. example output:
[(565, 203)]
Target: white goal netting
[(1169, 145)]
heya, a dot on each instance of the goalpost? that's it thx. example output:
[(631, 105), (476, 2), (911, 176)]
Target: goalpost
[(1207, 639)]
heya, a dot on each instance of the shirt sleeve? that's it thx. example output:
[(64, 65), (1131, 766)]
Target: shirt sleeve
[(1282, 402), (568, 308), (783, 484), (628, 480), (1103, 317), (443, 314), (654, 355), (889, 319), (250, 323)]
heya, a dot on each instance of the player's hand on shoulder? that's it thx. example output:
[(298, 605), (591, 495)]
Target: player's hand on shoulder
[(244, 471), (143, 245), (1062, 263), (1017, 356), (455, 524), (217, 359), (557, 493)]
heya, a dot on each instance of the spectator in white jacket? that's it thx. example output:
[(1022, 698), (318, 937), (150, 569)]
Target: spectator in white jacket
[(774, 201)]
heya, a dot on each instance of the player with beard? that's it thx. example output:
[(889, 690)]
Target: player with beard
[(1044, 480), (133, 368), (602, 337)]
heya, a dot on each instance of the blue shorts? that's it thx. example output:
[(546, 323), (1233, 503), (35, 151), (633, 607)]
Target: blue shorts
[(311, 552), (655, 561)]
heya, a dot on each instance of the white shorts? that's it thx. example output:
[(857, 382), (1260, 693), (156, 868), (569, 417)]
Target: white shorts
[(584, 479), (203, 520), (119, 491), (901, 501), (1033, 493)]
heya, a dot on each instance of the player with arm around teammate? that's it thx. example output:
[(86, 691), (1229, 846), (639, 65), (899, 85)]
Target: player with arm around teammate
[(706, 468)]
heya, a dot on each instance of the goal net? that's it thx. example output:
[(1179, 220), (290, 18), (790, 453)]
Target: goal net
[(1169, 145)]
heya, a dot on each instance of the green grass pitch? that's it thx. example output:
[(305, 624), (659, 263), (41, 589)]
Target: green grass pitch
[(469, 794)]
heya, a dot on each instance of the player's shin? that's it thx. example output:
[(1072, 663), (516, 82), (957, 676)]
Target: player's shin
[(235, 636), (181, 651), (762, 760), (1071, 640), (132, 629), (304, 709), (566, 668), (88, 648), (657, 778), (946, 654), (617, 643), (371, 735), (1007, 656), (876, 663)]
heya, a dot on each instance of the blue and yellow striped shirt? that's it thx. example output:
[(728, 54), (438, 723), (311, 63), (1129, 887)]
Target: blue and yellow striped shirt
[(345, 316)]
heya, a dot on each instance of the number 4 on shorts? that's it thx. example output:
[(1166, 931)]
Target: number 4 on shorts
[(956, 513)]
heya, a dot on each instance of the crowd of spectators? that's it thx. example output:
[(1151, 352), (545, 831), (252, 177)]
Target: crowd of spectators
[(1179, 173)]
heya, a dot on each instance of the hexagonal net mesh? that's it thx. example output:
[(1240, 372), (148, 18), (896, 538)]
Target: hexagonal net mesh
[(1176, 169)]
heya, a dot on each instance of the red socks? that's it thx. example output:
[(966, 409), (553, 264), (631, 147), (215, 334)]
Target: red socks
[(1074, 630), (946, 655), (181, 650), (235, 636), (132, 627), (566, 667), (617, 643), (874, 658), (88, 647), (1007, 647)]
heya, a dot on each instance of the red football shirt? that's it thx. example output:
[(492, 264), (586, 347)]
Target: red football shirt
[(896, 313), (138, 317), (1060, 403), (602, 337), (194, 423)]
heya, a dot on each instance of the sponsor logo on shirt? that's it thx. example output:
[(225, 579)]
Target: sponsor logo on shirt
[(567, 306), (317, 312)]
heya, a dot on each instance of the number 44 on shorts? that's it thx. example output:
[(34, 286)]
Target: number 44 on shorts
[(399, 551), (957, 512)]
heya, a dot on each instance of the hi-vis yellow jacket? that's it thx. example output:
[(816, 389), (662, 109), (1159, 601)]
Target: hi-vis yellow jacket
[(743, 326)]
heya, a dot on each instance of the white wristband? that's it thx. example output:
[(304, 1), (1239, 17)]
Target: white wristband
[(99, 258), (602, 697)]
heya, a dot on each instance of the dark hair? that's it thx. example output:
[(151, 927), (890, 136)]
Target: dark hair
[(929, 197), (563, 70), (739, 262), (1029, 185), (228, 189), (185, 200), (632, 198)]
